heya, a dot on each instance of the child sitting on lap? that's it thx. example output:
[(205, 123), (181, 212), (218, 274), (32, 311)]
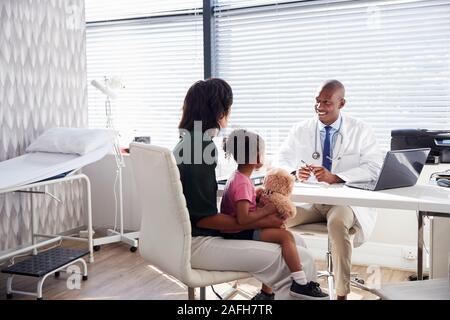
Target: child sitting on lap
[(239, 199)]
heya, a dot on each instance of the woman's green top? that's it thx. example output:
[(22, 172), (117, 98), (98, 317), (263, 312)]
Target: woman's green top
[(198, 178)]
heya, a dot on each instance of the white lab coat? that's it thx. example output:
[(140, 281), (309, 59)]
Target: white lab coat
[(356, 157)]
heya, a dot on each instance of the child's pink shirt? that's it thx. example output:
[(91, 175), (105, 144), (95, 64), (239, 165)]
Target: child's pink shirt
[(239, 187)]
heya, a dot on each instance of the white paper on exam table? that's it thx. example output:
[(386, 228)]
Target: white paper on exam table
[(36, 166)]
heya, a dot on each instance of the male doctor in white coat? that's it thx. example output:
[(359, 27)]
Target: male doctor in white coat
[(334, 148)]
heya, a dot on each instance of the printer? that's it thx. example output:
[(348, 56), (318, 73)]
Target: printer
[(437, 140)]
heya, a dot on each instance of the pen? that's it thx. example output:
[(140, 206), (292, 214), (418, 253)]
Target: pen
[(307, 165)]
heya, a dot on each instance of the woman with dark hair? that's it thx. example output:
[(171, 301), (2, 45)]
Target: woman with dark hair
[(207, 101), (206, 110)]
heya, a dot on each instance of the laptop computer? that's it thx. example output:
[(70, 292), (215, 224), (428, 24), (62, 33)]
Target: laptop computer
[(401, 168)]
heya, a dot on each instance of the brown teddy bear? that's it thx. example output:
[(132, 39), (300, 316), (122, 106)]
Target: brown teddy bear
[(277, 189)]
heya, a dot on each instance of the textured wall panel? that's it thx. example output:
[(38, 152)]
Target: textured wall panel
[(42, 85)]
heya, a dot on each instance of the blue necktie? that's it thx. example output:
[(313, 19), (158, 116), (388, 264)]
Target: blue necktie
[(326, 161)]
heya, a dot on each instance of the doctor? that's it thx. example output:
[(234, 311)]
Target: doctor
[(334, 148)]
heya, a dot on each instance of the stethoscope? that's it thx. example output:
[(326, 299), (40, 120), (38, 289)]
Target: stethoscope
[(316, 154)]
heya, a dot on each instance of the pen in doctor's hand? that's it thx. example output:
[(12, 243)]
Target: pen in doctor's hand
[(304, 173), (307, 165)]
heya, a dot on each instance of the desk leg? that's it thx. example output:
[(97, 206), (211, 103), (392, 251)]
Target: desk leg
[(420, 245)]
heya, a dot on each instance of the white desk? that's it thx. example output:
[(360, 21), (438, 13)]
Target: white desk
[(426, 200)]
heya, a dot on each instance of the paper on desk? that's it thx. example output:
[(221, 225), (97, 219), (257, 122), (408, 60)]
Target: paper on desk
[(312, 184)]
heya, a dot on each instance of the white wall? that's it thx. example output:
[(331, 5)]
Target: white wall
[(395, 227)]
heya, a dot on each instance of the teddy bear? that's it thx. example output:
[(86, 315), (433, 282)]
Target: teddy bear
[(277, 189)]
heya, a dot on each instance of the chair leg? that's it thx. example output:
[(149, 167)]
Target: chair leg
[(330, 278), (229, 293), (232, 291), (329, 262), (202, 293), (191, 293), (358, 283)]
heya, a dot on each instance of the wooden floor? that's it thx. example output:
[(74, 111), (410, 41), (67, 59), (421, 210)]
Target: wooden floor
[(118, 273)]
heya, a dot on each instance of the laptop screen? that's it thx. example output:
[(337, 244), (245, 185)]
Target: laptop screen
[(402, 168)]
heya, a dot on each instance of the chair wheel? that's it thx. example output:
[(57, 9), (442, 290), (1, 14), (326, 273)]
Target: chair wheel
[(40, 298), (9, 296), (360, 281), (97, 248), (57, 274), (414, 277), (133, 249), (85, 278)]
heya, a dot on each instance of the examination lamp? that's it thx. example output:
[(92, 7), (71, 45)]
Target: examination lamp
[(110, 84), (108, 89), (104, 89)]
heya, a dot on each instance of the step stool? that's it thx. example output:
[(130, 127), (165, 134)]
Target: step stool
[(42, 265)]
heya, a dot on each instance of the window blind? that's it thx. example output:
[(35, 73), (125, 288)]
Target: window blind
[(105, 10), (392, 56), (156, 49)]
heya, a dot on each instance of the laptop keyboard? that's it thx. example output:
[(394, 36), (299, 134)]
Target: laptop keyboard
[(365, 186)]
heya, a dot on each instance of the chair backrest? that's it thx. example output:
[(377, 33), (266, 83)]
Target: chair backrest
[(165, 235), (449, 269)]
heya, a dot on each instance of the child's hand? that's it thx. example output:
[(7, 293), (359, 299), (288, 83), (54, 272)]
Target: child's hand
[(272, 221), (283, 215), (269, 209), (280, 218), (263, 199)]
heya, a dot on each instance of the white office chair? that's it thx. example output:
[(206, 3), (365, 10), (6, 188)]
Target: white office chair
[(321, 228), (434, 289), (165, 235)]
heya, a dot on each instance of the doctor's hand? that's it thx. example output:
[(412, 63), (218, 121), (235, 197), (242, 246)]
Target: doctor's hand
[(303, 173), (323, 175)]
